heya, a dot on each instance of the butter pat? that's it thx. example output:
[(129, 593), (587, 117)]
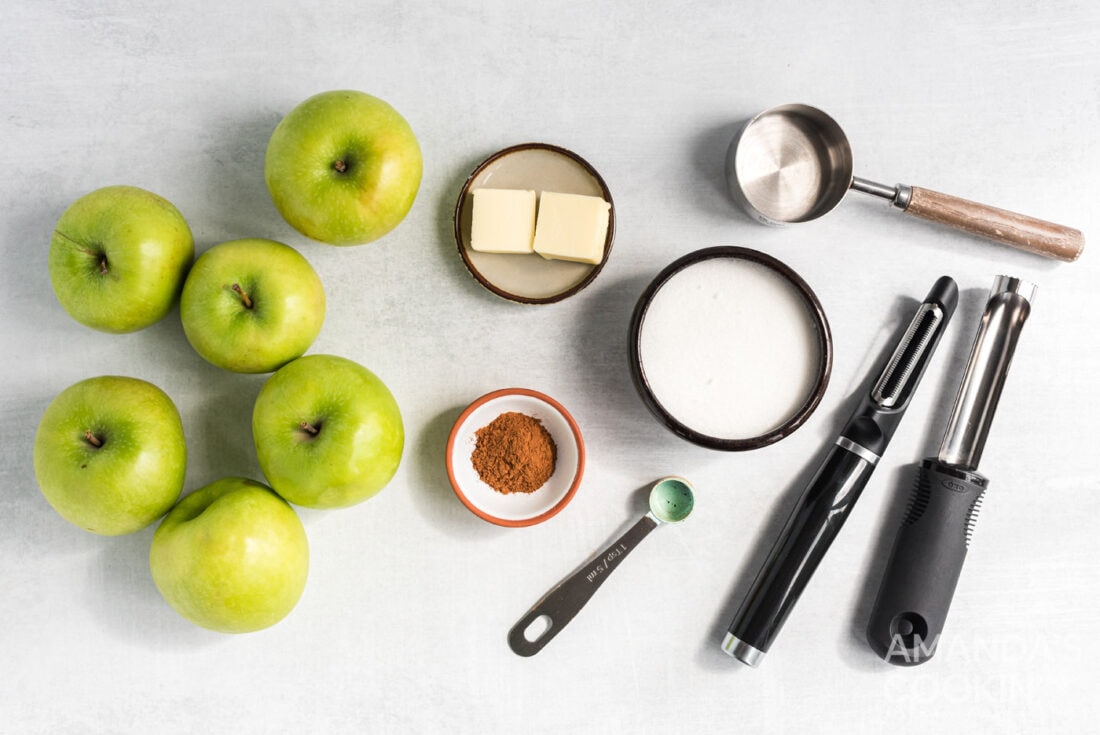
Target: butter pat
[(503, 221), (571, 227)]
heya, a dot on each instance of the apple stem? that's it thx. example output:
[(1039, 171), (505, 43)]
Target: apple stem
[(92, 439), (103, 265), (243, 294), (340, 165), (103, 269), (309, 428)]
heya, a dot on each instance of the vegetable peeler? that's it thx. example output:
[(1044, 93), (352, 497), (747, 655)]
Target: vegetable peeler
[(931, 544)]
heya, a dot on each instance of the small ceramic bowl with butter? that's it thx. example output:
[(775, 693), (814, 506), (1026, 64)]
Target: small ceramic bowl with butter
[(534, 223), (515, 457)]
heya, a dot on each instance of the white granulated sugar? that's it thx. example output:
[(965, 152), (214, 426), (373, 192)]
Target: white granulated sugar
[(730, 348)]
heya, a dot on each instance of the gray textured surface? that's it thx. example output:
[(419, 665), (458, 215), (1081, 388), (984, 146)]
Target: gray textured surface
[(402, 627)]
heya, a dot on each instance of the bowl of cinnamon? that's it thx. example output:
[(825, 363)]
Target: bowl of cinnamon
[(515, 457)]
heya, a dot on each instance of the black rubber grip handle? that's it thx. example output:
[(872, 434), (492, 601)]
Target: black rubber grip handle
[(916, 590)]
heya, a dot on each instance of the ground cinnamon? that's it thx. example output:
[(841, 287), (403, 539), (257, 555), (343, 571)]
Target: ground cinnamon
[(514, 453)]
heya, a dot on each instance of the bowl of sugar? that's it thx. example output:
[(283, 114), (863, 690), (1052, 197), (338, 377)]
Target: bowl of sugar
[(730, 348)]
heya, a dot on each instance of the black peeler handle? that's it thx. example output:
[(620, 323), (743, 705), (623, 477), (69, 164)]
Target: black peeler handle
[(924, 566)]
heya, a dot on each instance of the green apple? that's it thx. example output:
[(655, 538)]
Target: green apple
[(251, 306), (328, 432), (109, 454), (343, 167), (118, 257), (232, 557)]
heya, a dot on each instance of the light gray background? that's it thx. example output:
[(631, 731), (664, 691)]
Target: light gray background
[(402, 626)]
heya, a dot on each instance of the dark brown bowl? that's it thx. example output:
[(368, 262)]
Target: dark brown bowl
[(531, 279), (824, 344)]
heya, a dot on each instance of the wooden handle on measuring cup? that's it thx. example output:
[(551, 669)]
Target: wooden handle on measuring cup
[(1018, 230)]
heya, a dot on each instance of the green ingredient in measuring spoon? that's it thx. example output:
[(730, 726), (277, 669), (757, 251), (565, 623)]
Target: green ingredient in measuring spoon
[(671, 500)]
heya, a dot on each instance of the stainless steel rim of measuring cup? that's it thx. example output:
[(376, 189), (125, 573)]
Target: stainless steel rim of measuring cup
[(789, 164)]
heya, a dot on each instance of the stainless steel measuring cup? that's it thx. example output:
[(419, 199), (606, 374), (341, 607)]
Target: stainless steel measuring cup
[(793, 163)]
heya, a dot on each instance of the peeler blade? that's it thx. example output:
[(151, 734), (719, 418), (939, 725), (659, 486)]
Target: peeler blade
[(903, 370), (894, 386)]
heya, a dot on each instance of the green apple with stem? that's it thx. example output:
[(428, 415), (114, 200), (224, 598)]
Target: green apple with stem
[(252, 305), (343, 167), (328, 432), (109, 454), (232, 557), (118, 257)]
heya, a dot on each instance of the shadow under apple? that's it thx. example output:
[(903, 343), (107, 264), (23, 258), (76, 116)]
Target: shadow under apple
[(28, 294), (219, 427), (120, 593), (235, 202), (29, 527)]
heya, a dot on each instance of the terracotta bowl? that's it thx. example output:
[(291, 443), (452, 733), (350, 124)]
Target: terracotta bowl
[(516, 509)]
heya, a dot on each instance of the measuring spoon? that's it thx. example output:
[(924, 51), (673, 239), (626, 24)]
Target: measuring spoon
[(670, 501)]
